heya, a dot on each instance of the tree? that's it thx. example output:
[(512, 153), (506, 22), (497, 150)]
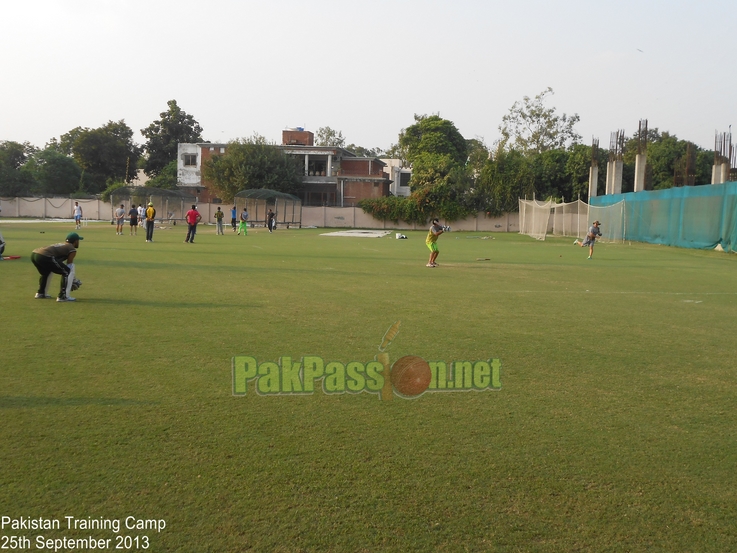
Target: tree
[(163, 136), (14, 179), (167, 177), (105, 153), (532, 128), (253, 163), (326, 136), (441, 179), (54, 173), (478, 155), (504, 179), (433, 135), (360, 151)]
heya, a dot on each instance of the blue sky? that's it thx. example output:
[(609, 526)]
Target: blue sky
[(365, 68)]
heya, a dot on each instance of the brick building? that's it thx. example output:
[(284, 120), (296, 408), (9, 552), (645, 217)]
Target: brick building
[(332, 176)]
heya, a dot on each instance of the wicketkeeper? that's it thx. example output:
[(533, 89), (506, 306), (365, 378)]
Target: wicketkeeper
[(51, 259)]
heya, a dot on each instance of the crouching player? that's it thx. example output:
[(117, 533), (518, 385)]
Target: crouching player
[(51, 260)]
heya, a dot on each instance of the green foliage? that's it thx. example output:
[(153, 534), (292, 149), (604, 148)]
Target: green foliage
[(532, 128), (505, 178), (666, 155), (441, 182), (15, 180), (433, 135), (325, 136), (54, 172), (360, 151), (112, 186), (166, 178), (394, 208), (253, 163), (105, 153), (164, 135)]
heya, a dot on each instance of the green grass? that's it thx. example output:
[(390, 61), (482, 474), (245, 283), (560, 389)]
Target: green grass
[(614, 429)]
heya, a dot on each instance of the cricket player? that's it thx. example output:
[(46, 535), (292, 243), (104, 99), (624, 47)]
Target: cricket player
[(51, 259)]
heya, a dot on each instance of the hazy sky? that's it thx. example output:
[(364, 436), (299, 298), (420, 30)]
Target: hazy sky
[(365, 68)]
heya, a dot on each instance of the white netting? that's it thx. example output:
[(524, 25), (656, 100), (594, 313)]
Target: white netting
[(612, 221), (534, 218), (571, 219)]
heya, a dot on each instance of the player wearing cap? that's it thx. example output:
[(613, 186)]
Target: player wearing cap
[(51, 259), (590, 238), (150, 217), (432, 242)]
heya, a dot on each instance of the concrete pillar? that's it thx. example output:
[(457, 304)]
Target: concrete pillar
[(640, 163), (307, 164), (725, 172), (617, 179), (593, 180), (609, 177), (714, 174), (329, 168)]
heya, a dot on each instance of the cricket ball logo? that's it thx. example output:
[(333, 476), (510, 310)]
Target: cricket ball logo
[(410, 375)]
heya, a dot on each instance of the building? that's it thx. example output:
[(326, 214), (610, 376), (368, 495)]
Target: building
[(190, 160), (332, 176), (399, 175)]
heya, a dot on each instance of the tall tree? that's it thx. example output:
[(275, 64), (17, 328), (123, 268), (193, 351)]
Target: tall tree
[(326, 136), (105, 153), (253, 163), (164, 134), (14, 179), (54, 173), (532, 128), (433, 135)]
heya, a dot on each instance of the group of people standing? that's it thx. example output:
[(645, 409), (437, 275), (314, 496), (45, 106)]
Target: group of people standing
[(138, 216)]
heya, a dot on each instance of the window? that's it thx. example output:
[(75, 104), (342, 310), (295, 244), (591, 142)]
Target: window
[(404, 179), (190, 160), (222, 150)]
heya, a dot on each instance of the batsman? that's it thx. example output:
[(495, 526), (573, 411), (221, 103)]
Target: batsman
[(51, 259)]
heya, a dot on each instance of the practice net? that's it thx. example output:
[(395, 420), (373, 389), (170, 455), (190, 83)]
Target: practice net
[(538, 219)]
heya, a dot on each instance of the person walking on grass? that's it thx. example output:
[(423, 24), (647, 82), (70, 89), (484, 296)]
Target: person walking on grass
[(594, 231), (432, 242), (77, 215), (233, 218), (219, 221), (193, 217), (243, 226), (271, 221)]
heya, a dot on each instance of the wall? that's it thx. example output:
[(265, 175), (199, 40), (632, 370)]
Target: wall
[(339, 217)]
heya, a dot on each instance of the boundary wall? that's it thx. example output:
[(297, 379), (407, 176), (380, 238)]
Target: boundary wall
[(329, 217)]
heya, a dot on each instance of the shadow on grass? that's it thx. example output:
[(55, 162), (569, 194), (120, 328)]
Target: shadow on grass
[(164, 304), (11, 402)]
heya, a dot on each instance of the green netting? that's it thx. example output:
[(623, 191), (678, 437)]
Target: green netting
[(688, 217)]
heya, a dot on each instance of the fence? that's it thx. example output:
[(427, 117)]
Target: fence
[(338, 217), (688, 217)]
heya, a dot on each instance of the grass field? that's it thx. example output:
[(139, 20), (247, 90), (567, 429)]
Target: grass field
[(614, 429)]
